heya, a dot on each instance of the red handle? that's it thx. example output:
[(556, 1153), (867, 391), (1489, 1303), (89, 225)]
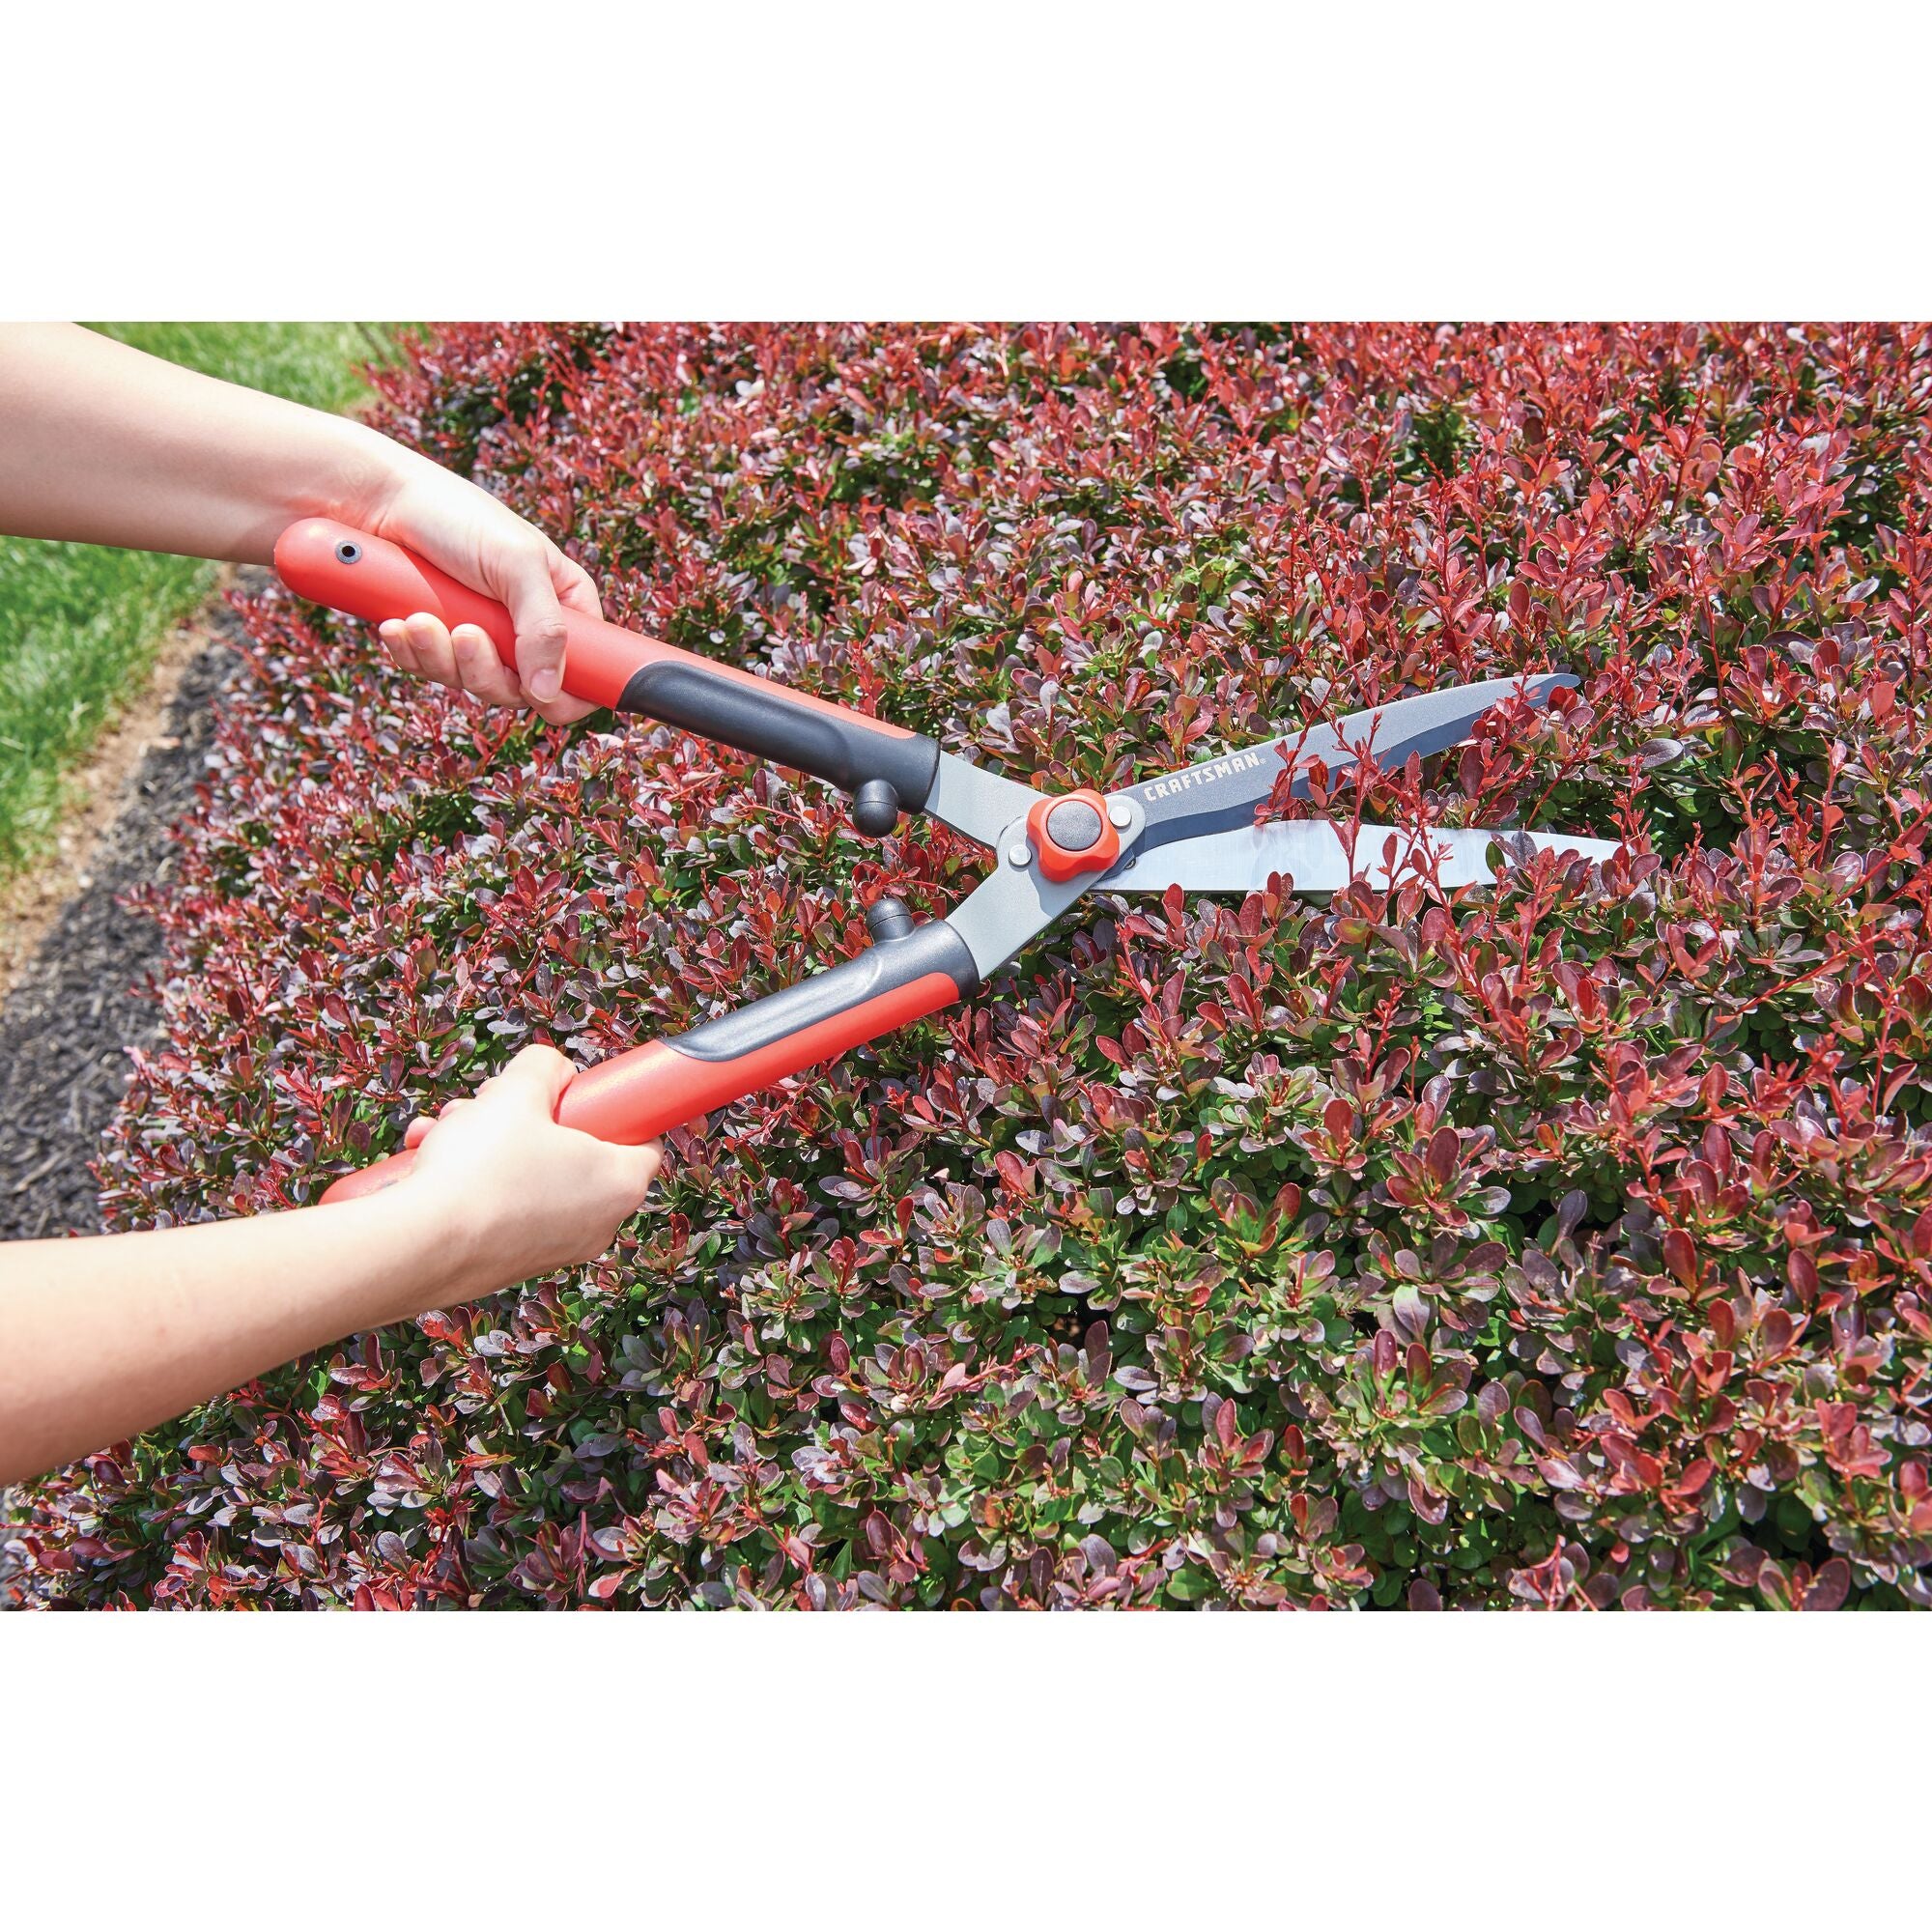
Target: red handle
[(888, 767), (636, 1096), (371, 578), (630, 1099)]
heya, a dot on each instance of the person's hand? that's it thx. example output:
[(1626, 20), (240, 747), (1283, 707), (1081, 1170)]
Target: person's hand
[(102, 445), (522, 1194), (483, 543)]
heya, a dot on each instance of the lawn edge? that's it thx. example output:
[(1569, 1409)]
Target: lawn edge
[(95, 792)]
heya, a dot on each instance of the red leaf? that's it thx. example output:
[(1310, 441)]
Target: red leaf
[(1679, 1257), (1829, 1589), (1695, 1478)]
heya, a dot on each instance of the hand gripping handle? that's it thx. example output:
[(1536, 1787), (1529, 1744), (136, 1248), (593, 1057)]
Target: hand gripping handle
[(639, 1095), (370, 577)]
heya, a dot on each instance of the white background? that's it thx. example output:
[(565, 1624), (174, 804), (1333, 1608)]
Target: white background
[(1005, 158), (987, 161)]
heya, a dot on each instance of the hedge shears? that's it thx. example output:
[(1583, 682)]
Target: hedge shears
[(1194, 828)]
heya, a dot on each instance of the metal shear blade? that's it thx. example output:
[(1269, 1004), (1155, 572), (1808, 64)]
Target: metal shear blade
[(1221, 794), (1314, 857)]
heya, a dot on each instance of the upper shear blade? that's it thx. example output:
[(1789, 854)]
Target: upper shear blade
[(1312, 853), (1221, 793)]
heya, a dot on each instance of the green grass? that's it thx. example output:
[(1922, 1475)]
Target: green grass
[(312, 362), (79, 625)]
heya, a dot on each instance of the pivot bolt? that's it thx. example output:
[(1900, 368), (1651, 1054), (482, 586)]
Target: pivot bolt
[(1119, 813), (1074, 836), (1019, 854), (1073, 825)]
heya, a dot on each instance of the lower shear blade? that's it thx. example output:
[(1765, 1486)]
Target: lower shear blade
[(1314, 855)]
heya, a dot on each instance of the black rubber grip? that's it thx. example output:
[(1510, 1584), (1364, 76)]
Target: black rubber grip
[(771, 725), (879, 969)]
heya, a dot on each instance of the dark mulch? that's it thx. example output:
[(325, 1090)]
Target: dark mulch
[(66, 1027)]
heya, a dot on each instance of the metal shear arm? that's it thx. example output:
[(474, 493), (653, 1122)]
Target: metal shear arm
[(909, 972)]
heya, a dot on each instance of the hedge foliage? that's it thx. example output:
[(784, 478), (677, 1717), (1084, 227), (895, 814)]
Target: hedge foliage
[(1565, 1245)]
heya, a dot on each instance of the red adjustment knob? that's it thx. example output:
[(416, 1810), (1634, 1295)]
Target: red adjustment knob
[(1073, 835)]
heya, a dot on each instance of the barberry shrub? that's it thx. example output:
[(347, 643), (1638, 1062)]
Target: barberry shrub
[(1564, 1245)]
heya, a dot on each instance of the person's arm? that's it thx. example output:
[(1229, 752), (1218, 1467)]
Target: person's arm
[(102, 1338), (100, 443)]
